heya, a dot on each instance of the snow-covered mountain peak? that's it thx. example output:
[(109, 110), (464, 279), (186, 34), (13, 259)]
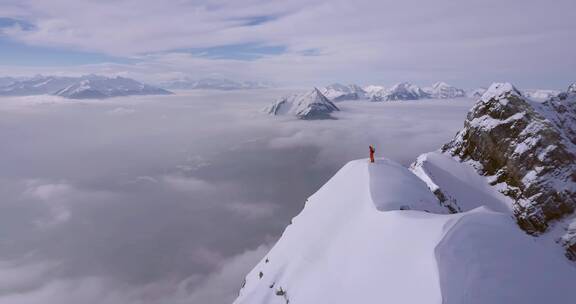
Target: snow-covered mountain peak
[(499, 90), (309, 105), (572, 88)]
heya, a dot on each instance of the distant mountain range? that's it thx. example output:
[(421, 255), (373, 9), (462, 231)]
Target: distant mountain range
[(213, 84), (400, 91), (83, 87), (318, 103)]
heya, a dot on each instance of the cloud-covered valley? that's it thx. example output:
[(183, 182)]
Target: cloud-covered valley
[(173, 199)]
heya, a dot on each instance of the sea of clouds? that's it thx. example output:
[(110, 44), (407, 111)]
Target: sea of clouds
[(173, 199)]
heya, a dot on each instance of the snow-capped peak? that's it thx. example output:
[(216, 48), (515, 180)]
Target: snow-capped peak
[(498, 90), (309, 105), (572, 88)]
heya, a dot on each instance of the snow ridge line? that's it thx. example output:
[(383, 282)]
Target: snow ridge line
[(447, 230)]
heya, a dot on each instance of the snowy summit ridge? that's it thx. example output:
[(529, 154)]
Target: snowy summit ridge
[(374, 233)]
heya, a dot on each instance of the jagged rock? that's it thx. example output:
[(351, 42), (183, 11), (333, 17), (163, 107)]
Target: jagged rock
[(529, 147)]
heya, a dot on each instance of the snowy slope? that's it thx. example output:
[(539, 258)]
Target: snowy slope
[(353, 244), (458, 185), (310, 105)]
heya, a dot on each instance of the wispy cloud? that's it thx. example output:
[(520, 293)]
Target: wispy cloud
[(374, 41)]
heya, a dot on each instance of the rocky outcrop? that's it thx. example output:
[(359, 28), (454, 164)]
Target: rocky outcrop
[(528, 148)]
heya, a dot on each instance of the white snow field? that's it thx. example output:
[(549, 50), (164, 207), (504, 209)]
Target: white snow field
[(459, 182), (353, 244)]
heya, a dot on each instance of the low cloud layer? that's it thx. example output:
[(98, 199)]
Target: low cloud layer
[(172, 199)]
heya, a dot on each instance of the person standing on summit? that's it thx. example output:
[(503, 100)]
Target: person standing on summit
[(372, 150)]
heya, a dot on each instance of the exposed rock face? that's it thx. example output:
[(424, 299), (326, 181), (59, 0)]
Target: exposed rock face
[(528, 147), (311, 105)]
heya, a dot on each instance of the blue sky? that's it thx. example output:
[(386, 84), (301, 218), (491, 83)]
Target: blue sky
[(15, 53), (311, 42)]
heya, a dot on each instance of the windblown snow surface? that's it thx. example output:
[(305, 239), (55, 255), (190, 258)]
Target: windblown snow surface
[(375, 233)]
